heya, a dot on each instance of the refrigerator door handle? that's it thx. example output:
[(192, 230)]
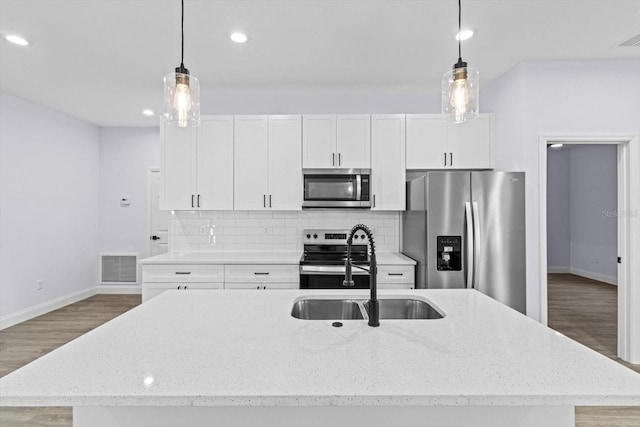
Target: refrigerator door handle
[(476, 242), (470, 264)]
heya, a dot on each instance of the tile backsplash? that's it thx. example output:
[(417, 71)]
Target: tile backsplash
[(272, 230)]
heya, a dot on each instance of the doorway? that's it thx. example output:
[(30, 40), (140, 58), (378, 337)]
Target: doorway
[(628, 234), (582, 243), (158, 220)]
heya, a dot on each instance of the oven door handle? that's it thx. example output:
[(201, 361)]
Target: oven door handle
[(326, 270)]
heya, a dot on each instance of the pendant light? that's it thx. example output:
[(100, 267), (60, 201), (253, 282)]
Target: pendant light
[(460, 88), (181, 93)]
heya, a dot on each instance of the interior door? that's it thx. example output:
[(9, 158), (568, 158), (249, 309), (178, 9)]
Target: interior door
[(158, 218)]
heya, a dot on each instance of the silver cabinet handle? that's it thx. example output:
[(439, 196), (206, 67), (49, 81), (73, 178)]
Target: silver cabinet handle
[(192, 196), (333, 159), (450, 159), (198, 200), (269, 200), (183, 272), (339, 159), (395, 274), (264, 200), (445, 159), (374, 200), (261, 274)]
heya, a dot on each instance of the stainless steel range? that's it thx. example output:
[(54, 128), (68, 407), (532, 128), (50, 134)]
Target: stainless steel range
[(322, 265)]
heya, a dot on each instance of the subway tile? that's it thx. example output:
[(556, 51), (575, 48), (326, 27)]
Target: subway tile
[(260, 214), (247, 222), (272, 239), (284, 231), (272, 222), (285, 214)]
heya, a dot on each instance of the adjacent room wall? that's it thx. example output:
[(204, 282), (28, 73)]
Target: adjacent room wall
[(558, 210), (48, 209), (126, 154), (581, 211), (560, 98)]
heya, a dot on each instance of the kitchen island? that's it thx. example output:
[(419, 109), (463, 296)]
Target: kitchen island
[(239, 358)]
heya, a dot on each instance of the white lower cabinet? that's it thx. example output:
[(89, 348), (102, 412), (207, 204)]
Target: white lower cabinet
[(396, 277), (159, 278), (261, 277)]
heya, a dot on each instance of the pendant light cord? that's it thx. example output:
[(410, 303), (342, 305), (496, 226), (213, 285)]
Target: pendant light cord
[(182, 29), (459, 29)]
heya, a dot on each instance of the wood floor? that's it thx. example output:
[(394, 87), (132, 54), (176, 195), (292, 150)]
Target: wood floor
[(586, 311), (581, 309)]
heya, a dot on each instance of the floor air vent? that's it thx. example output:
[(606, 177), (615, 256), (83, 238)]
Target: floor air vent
[(118, 269)]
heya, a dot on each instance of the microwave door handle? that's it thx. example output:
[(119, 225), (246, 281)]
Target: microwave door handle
[(358, 187)]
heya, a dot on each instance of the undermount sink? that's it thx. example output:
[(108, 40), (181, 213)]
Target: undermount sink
[(326, 309), (339, 308)]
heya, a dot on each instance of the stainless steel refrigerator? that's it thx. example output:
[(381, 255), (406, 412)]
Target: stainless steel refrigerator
[(467, 230)]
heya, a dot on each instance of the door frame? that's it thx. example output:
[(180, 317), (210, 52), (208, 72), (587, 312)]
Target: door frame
[(149, 205), (628, 232)]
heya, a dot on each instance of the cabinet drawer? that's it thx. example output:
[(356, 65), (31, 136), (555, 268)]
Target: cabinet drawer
[(396, 274), (183, 273), (261, 273), (150, 290)]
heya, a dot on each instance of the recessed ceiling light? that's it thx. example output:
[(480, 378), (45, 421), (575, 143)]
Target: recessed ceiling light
[(16, 40), (147, 112), (464, 35), (238, 37)]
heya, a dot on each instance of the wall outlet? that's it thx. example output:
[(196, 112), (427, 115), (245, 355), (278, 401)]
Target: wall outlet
[(40, 285)]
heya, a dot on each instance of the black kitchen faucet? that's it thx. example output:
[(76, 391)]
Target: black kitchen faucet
[(374, 318)]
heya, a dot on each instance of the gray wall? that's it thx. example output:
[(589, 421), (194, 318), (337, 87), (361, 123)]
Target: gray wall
[(581, 205)]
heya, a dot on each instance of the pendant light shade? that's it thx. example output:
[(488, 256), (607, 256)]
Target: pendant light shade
[(181, 94), (460, 88)]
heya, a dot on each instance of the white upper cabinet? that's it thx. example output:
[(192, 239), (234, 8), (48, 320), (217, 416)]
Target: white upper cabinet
[(342, 141), (353, 142), (285, 162), (215, 163), (250, 162), (388, 170), (470, 144), (434, 144), (319, 141), (196, 165), (267, 163)]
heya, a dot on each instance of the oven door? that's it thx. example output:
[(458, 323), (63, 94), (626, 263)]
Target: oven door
[(324, 189), (331, 277)]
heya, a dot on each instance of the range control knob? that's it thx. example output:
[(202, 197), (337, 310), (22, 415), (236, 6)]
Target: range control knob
[(315, 236), (355, 237), (308, 236)]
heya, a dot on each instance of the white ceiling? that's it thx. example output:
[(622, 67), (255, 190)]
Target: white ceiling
[(103, 60)]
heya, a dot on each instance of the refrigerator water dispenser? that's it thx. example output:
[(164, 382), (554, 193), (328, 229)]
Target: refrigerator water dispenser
[(449, 252)]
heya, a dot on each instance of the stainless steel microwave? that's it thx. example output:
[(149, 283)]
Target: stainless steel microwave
[(336, 188)]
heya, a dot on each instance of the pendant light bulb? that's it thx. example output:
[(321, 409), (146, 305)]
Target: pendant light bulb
[(460, 89), (181, 94)]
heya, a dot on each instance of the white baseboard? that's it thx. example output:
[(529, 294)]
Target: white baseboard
[(558, 270), (584, 273), (119, 289), (45, 307)]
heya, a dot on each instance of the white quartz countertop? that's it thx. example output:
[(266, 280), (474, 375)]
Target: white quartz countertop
[(243, 348), (383, 258)]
